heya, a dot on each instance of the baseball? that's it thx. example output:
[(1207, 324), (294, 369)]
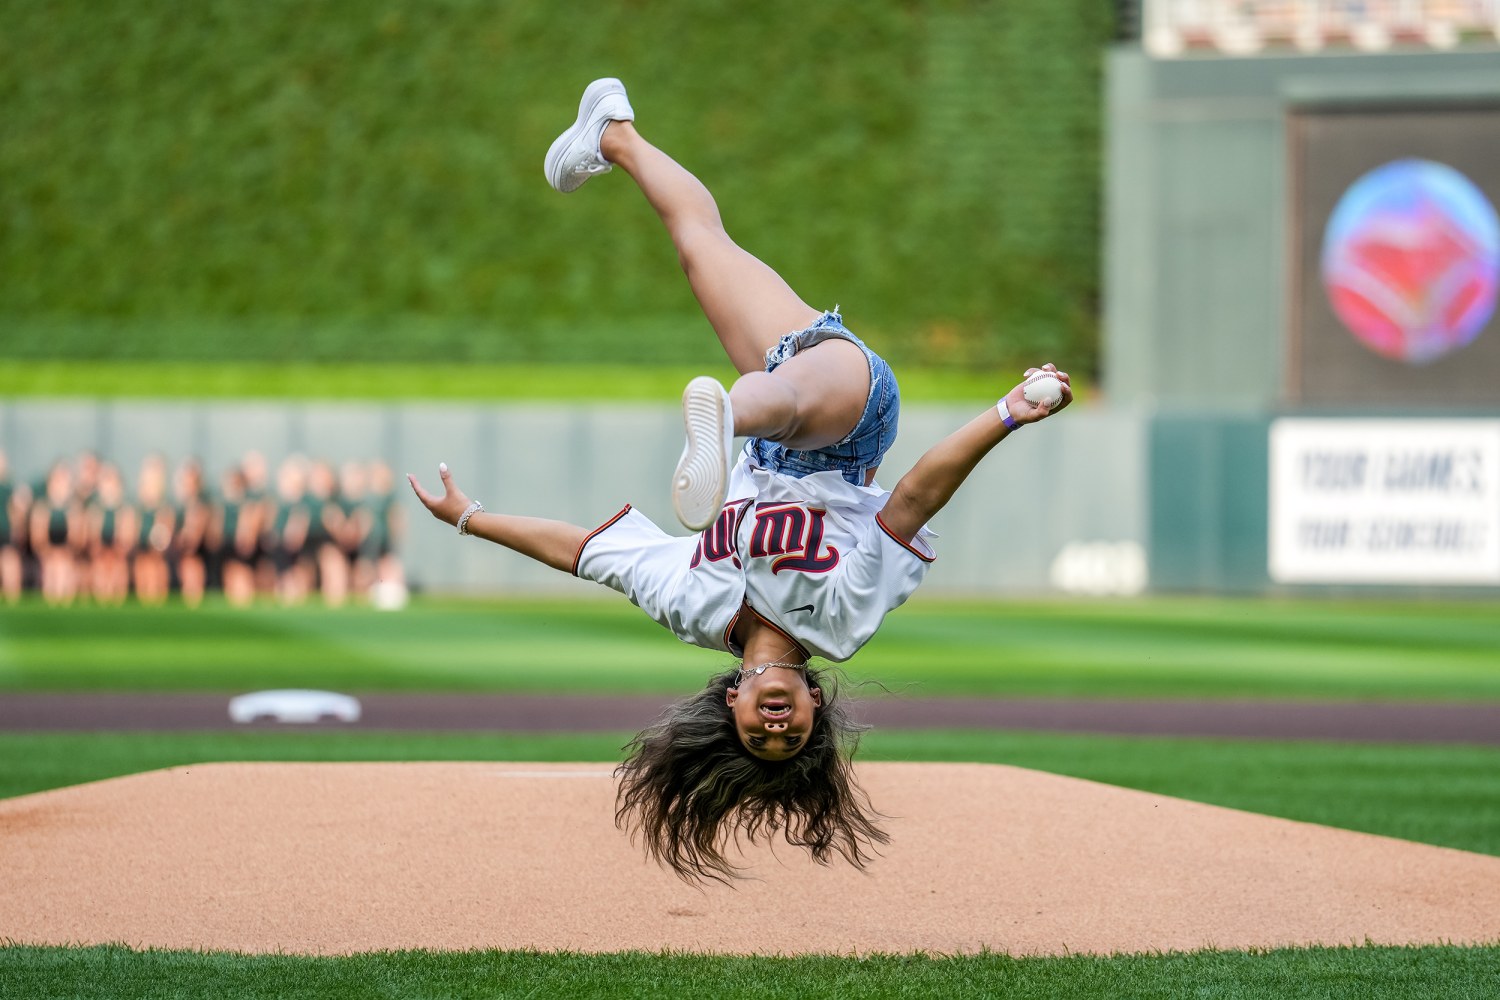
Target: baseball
[(1043, 389)]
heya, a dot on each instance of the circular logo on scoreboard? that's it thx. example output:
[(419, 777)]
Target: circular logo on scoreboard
[(1411, 260)]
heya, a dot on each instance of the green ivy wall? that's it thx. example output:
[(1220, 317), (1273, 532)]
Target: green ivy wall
[(358, 180)]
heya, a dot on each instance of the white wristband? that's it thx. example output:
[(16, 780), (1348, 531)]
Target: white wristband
[(463, 519), (1010, 422)]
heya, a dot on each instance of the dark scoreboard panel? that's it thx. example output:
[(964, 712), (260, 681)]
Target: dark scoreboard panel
[(1395, 257)]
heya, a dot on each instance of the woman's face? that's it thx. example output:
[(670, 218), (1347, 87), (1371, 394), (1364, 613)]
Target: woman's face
[(773, 710)]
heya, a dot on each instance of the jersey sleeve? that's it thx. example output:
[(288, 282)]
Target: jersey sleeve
[(876, 578), (629, 553)]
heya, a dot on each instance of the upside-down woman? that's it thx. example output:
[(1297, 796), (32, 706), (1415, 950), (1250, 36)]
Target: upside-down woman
[(798, 553)]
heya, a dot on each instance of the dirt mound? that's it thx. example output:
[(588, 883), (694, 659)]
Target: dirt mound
[(336, 858)]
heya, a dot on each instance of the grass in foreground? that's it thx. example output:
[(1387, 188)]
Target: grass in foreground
[(1444, 795), (1157, 648), (1369, 973)]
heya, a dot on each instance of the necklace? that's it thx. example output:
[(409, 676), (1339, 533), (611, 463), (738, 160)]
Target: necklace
[(762, 669)]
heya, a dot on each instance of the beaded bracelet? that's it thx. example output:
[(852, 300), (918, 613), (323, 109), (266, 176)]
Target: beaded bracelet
[(463, 519)]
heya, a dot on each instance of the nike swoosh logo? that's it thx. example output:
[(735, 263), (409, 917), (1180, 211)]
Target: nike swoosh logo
[(806, 607)]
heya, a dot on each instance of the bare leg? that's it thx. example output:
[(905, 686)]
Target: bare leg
[(10, 573), (333, 574), (150, 572), (111, 580), (194, 577), (811, 401), (747, 303), (239, 583), (390, 570)]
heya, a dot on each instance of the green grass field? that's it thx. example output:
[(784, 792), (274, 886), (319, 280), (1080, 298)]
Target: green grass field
[(1368, 973), (1446, 795), (1441, 795), (1158, 648)]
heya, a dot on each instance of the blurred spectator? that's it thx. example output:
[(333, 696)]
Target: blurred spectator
[(79, 532), (326, 531), (14, 502), (354, 507), (189, 547), (290, 531), (85, 477), (234, 539), (157, 522), (110, 535), (378, 569), (57, 535), (259, 499)]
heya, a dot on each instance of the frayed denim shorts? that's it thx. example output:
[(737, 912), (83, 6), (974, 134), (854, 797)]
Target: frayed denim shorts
[(867, 444)]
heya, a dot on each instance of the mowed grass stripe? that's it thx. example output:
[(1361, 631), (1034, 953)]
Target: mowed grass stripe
[(1370, 973), (432, 646), (563, 382), (1143, 648), (1444, 795)]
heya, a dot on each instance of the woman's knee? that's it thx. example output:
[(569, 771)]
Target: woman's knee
[(697, 239)]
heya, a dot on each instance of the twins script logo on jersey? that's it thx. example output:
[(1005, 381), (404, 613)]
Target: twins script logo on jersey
[(788, 534), (717, 541)]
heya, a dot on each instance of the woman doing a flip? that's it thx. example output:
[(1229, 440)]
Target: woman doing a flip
[(798, 553)]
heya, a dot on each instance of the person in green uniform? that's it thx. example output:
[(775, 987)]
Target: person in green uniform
[(110, 535), (188, 551), (57, 530), (325, 528), (234, 539), (378, 566), (354, 524), (14, 502), (260, 513), (156, 524), (289, 532)]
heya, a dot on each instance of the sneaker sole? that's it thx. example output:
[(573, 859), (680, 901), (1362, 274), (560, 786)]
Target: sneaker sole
[(702, 476), (592, 95)]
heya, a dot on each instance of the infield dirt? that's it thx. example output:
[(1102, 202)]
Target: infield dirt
[(338, 858)]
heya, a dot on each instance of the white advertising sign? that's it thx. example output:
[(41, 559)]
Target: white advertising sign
[(1385, 501)]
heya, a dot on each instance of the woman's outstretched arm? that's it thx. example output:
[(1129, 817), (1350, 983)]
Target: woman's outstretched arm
[(931, 483), (552, 542)]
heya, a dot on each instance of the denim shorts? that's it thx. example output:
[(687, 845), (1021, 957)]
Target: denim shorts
[(864, 446)]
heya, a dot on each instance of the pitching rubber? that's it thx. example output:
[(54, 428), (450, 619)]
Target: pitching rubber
[(702, 475)]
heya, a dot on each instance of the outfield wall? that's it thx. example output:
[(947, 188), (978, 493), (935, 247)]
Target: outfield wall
[(1074, 483), (1220, 180)]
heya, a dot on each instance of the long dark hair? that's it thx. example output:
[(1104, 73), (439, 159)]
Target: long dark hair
[(689, 788)]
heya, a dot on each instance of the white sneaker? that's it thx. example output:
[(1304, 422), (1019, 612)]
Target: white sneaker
[(574, 156), (702, 476)]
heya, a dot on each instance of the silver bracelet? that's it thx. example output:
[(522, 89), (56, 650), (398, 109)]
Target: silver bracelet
[(470, 511)]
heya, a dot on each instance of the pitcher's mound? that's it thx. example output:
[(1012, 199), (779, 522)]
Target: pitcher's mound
[(332, 858)]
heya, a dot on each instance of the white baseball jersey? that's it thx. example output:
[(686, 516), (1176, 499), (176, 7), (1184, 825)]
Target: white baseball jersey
[(808, 556)]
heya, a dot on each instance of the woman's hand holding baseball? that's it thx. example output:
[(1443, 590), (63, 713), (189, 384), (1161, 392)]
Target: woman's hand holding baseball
[(1021, 406), (447, 508)]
